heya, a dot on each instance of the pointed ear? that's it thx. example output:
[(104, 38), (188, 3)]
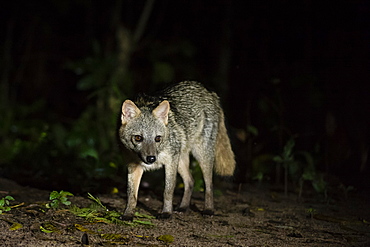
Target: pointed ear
[(129, 111), (161, 111)]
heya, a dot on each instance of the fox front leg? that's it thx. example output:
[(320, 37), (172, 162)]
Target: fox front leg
[(169, 188), (135, 172)]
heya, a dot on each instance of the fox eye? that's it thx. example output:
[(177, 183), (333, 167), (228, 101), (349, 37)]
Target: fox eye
[(157, 138), (138, 138)]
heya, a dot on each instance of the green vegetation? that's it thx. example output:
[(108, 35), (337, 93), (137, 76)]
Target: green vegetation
[(287, 159), (166, 238), (300, 167), (310, 212), (5, 204), (58, 198), (97, 212)]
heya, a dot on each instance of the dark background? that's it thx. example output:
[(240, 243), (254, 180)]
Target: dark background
[(283, 69)]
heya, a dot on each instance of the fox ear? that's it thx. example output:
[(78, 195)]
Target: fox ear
[(161, 111), (129, 111)]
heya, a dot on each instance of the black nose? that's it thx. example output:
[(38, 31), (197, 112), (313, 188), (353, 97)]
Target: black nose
[(150, 159)]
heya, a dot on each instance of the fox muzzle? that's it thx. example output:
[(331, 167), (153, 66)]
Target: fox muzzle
[(151, 159)]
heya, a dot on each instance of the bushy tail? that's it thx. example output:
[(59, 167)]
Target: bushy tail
[(225, 161)]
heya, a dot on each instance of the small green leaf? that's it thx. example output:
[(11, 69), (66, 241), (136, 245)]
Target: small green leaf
[(308, 175), (252, 129), (45, 230), (15, 226), (10, 198), (48, 228), (111, 236), (89, 152), (143, 222), (278, 159), (66, 193), (137, 214), (166, 238), (54, 195), (67, 203)]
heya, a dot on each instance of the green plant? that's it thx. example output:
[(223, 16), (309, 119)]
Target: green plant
[(98, 212), (286, 158), (300, 167), (310, 212), (58, 198), (259, 177), (4, 204), (317, 180), (97, 201), (310, 174), (346, 189)]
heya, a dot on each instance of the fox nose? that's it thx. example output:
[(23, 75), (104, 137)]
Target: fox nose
[(150, 159)]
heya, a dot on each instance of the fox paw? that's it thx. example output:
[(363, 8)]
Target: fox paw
[(164, 216), (127, 217), (182, 210), (208, 212)]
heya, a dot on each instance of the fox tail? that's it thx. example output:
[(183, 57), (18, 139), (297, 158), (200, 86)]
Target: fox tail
[(225, 160)]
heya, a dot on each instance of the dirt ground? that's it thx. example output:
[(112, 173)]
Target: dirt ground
[(254, 216)]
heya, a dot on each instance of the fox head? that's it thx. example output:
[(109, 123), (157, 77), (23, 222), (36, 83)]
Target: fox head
[(143, 130)]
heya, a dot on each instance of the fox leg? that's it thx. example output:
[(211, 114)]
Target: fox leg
[(135, 172), (203, 152), (207, 170), (188, 180), (169, 188)]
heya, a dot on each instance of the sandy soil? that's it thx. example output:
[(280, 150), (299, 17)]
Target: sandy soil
[(254, 216)]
